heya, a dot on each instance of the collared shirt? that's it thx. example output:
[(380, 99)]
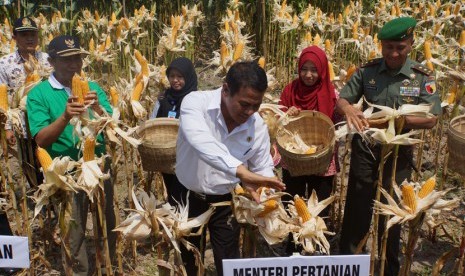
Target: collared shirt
[(207, 154), (46, 103), (381, 87), (12, 71)]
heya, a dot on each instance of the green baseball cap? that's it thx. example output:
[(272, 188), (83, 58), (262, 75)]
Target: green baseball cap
[(398, 29)]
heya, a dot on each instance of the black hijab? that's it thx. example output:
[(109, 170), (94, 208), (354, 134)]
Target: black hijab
[(171, 100)]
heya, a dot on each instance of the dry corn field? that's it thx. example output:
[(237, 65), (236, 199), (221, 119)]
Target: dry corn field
[(128, 52)]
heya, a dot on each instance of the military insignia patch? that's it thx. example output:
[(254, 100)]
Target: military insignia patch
[(372, 82), (406, 82), (430, 86)]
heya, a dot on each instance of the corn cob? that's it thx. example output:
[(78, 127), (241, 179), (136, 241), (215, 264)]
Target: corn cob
[(76, 88), (431, 9), (237, 15), (3, 97), (437, 28), (316, 40), (328, 46), (340, 19), (119, 30), (308, 38), (31, 78), (44, 158), (350, 72), (427, 47), (427, 187), (372, 55), (457, 8), (143, 63), (108, 42), (138, 78), (89, 149), (301, 208), (462, 38), (91, 45), (239, 190), (226, 26), (223, 53), (84, 87), (113, 18), (135, 96), (453, 93), (270, 206), (96, 15), (305, 16), (429, 64), (114, 96), (355, 30), (101, 47), (124, 21), (184, 11), (261, 62), (408, 197), (12, 46), (238, 51), (331, 71)]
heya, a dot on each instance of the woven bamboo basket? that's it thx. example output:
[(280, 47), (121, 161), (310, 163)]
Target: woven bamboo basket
[(158, 147), (315, 128), (456, 144)]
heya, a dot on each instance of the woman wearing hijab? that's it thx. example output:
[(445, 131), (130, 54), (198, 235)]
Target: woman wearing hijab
[(183, 80), (313, 90)]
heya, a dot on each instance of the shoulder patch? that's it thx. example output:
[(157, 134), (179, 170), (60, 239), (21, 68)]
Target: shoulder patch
[(422, 69), (371, 62)]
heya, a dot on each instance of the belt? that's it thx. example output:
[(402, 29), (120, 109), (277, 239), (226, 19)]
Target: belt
[(211, 198)]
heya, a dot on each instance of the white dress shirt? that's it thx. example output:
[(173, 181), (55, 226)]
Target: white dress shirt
[(207, 155)]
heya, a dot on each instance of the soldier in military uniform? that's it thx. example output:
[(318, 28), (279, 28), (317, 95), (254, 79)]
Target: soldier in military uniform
[(392, 80)]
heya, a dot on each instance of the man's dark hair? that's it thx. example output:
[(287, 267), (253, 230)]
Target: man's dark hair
[(246, 74)]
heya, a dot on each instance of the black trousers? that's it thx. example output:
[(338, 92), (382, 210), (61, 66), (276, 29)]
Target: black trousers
[(5, 229), (224, 232), (361, 192), (176, 191), (305, 184)]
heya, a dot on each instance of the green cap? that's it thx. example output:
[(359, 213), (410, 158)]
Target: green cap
[(397, 29)]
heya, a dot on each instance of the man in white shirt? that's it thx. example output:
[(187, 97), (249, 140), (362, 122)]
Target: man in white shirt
[(223, 141)]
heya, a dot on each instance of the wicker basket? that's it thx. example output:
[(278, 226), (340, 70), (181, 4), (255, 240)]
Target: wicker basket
[(158, 148), (315, 128), (456, 144)]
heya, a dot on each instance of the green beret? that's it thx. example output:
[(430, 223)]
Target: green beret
[(397, 29)]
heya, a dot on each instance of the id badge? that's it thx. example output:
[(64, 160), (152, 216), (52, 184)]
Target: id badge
[(171, 114)]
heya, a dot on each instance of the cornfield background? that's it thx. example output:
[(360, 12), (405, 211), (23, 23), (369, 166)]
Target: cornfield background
[(215, 34)]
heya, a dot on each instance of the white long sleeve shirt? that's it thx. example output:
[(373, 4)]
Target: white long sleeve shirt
[(207, 155)]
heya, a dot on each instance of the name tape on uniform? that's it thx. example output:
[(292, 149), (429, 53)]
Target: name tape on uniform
[(14, 252), (339, 265)]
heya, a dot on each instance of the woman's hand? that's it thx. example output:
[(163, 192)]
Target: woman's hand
[(293, 111)]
